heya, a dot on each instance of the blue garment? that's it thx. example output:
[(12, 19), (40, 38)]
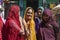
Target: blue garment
[(37, 22)]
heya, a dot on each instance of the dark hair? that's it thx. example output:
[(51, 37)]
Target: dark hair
[(29, 8)]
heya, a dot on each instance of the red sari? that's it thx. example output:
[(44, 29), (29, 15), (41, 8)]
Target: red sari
[(13, 25), (1, 25)]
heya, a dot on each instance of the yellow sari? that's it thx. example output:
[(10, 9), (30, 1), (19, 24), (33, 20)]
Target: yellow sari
[(32, 26)]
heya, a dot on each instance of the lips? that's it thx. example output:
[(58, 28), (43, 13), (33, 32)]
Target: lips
[(29, 15)]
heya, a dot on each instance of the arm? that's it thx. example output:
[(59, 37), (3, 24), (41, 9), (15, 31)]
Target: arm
[(25, 26), (13, 24), (22, 26)]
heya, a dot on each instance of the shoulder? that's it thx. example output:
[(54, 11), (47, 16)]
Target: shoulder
[(9, 22)]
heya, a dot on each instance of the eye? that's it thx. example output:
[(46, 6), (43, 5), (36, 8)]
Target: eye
[(29, 12)]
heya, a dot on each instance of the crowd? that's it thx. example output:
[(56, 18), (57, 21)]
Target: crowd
[(39, 25)]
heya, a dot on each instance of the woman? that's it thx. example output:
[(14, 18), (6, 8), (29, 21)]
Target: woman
[(13, 25), (38, 19), (48, 27), (38, 16), (29, 18), (40, 12)]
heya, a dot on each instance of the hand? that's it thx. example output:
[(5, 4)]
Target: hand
[(28, 33), (22, 33), (50, 26)]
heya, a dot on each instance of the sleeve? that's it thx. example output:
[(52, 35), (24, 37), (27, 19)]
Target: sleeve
[(1, 24), (13, 24)]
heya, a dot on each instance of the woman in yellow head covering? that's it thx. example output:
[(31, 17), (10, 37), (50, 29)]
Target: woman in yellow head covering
[(29, 18)]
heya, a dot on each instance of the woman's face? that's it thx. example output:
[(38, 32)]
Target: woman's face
[(39, 13), (45, 18), (29, 14)]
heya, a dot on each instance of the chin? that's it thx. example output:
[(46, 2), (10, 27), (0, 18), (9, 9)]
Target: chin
[(29, 18)]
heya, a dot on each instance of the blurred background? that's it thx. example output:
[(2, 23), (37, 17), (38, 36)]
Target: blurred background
[(25, 3)]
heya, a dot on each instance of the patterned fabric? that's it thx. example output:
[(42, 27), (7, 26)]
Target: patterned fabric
[(12, 29)]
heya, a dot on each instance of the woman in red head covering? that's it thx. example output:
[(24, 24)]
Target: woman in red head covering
[(13, 27)]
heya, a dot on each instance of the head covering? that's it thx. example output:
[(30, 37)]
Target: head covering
[(51, 20), (48, 12), (14, 13), (41, 8)]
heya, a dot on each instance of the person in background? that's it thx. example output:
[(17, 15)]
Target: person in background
[(13, 28), (29, 18), (48, 28), (40, 12), (1, 24), (37, 18)]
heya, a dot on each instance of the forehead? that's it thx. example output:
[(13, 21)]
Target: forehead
[(45, 15), (39, 10), (30, 10)]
